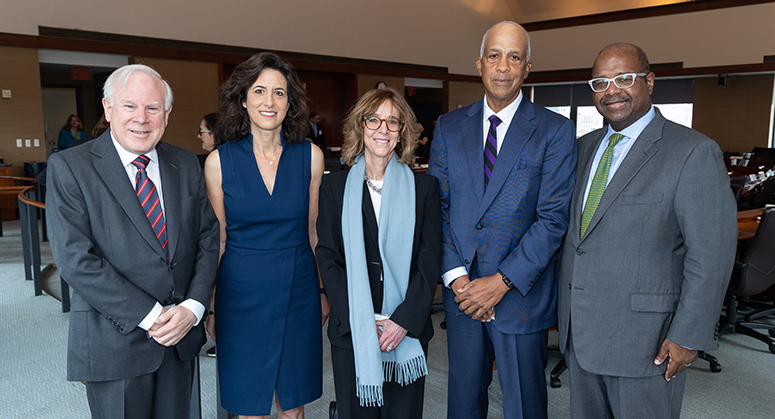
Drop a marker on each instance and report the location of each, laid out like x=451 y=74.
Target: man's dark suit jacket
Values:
x=316 y=135
x=414 y=313
x=107 y=251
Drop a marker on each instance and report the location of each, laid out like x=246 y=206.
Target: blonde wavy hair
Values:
x=367 y=105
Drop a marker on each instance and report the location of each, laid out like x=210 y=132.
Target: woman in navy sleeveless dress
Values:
x=266 y=313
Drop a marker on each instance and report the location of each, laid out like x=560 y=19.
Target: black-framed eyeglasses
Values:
x=373 y=123
x=622 y=81
x=204 y=131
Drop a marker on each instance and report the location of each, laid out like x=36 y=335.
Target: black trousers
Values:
x=400 y=402
x=165 y=393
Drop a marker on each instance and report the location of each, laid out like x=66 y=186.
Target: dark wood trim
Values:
x=646 y=12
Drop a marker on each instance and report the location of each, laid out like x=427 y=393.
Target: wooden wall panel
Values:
x=464 y=93
x=736 y=115
x=331 y=95
x=22 y=115
x=195 y=91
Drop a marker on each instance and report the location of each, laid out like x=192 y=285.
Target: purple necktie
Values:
x=149 y=200
x=490 y=149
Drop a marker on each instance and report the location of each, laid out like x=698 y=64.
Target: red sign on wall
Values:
x=81 y=73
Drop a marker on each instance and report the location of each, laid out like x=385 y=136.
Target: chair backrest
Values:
x=737 y=190
x=766 y=195
x=758 y=272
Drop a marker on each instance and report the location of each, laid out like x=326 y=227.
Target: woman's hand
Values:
x=390 y=335
x=325 y=308
x=210 y=326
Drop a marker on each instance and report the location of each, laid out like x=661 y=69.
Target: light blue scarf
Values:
x=406 y=363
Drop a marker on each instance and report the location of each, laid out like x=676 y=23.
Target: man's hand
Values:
x=390 y=335
x=173 y=324
x=478 y=297
x=325 y=308
x=680 y=358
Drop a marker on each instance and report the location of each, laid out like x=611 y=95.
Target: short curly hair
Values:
x=367 y=105
x=234 y=124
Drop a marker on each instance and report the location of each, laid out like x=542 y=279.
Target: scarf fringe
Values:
x=369 y=395
x=403 y=374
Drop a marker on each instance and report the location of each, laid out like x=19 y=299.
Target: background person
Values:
x=207 y=131
x=71 y=132
x=379 y=233
x=263 y=184
x=644 y=270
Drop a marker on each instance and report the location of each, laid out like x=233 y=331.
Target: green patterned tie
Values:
x=598 y=183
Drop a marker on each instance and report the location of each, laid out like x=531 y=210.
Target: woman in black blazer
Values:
x=379 y=244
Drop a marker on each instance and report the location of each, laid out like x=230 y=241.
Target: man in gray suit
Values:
x=649 y=250
x=133 y=233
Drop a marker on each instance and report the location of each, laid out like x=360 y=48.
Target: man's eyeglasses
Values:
x=622 y=81
x=373 y=123
x=204 y=131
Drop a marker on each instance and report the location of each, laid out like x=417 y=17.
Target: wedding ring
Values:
x=390 y=348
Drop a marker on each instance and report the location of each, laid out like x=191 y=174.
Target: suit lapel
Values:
x=641 y=152
x=170 y=180
x=520 y=130
x=369 y=218
x=111 y=171
x=473 y=147
x=586 y=154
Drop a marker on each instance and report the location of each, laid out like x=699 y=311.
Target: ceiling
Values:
x=526 y=11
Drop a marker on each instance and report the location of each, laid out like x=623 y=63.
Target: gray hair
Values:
x=484 y=38
x=120 y=78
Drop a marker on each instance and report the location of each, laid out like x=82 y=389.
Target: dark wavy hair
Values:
x=234 y=123
x=211 y=122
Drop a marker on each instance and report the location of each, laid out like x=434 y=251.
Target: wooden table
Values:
x=747 y=223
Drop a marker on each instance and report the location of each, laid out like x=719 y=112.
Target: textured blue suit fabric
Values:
x=516 y=226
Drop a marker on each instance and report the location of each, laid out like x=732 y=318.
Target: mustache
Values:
x=614 y=98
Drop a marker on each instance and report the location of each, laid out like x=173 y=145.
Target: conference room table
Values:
x=747 y=223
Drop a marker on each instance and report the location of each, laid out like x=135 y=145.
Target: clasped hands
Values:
x=172 y=325
x=478 y=297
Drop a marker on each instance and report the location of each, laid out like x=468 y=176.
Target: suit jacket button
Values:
x=569 y=286
x=468 y=261
x=479 y=226
x=579 y=252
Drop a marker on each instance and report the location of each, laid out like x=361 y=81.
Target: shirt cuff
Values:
x=147 y=322
x=453 y=274
x=196 y=307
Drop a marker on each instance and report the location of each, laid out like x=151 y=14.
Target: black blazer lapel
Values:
x=641 y=152
x=371 y=232
x=170 y=179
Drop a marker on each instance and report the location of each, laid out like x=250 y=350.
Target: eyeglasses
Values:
x=373 y=123
x=622 y=81
x=204 y=131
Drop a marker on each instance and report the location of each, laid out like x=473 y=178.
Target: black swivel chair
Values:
x=763 y=197
x=754 y=274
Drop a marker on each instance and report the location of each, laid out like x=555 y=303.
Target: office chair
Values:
x=754 y=274
x=761 y=199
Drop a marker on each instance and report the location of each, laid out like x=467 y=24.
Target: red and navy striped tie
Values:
x=490 y=149
x=149 y=199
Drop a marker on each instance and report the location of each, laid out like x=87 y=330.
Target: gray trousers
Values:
x=594 y=396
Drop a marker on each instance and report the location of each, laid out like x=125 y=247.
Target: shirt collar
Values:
x=637 y=127
x=128 y=157
x=507 y=113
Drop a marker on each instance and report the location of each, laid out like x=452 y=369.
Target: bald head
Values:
x=623 y=48
x=509 y=25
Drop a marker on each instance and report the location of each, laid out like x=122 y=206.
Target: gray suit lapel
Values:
x=641 y=152
x=111 y=171
x=473 y=145
x=170 y=179
x=520 y=130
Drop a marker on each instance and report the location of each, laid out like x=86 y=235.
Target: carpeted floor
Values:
x=33 y=340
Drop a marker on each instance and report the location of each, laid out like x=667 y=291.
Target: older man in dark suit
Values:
x=134 y=235
x=506 y=170
x=649 y=251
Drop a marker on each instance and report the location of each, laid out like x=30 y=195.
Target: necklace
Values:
x=372 y=186
x=271 y=161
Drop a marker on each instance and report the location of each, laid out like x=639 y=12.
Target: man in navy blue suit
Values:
x=506 y=170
